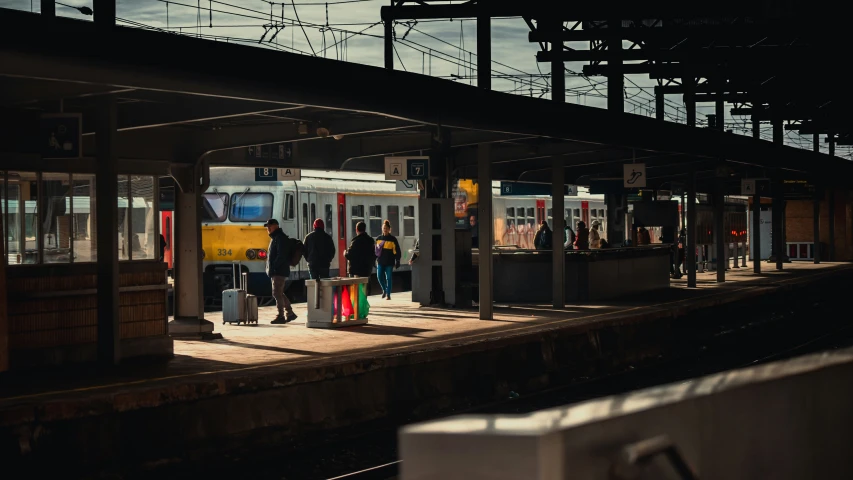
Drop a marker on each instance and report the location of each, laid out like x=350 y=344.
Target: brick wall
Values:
x=800 y=228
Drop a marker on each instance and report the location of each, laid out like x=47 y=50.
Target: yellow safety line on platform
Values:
x=380 y=350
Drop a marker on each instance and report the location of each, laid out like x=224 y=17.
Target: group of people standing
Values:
x=584 y=239
x=318 y=249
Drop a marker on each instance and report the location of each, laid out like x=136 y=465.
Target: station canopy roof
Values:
x=183 y=100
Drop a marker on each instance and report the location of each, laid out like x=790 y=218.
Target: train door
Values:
x=540 y=212
x=342 y=232
x=585 y=213
x=307 y=215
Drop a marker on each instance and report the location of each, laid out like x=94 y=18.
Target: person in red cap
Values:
x=319 y=250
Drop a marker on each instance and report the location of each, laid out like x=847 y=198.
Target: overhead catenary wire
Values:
x=636 y=97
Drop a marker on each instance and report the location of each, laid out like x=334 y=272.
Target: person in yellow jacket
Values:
x=388 y=254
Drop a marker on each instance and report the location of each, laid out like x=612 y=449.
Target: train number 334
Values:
x=223 y=252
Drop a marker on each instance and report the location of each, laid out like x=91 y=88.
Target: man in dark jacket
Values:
x=319 y=250
x=278 y=269
x=361 y=253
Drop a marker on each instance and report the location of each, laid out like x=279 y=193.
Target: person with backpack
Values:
x=360 y=253
x=318 y=250
x=542 y=241
x=570 y=238
x=279 y=255
x=388 y=253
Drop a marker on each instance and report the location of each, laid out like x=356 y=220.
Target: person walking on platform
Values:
x=582 y=241
x=387 y=251
x=570 y=238
x=319 y=250
x=278 y=269
x=360 y=253
x=543 y=238
x=594 y=236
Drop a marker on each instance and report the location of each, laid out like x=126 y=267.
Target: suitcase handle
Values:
x=246 y=282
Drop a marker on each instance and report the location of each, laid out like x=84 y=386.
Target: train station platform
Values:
x=272 y=382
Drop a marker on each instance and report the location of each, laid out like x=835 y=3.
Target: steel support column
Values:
x=816 y=222
x=558 y=71
x=756 y=232
x=104 y=13
x=660 y=104
x=615 y=78
x=106 y=212
x=189 y=294
x=719 y=229
x=720 y=109
x=690 y=253
x=48 y=8
x=778 y=215
x=831 y=212
x=558 y=237
x=689 y=100
x=486 y=226
x=389 y=42
x=484 y=48
x=831 y=145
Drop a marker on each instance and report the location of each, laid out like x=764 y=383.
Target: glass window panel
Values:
x=409 y=221
x=328 y=219
x=123 y=217
x=3 y=218
x=305 y=225
x=55 y=217
x=143 y=244
x=84 y=227
x=214 y=207
x=313 y=212
x=21 y=238
x=357 y=216
x=289 y=207
x=375 y=225
x=251 y=207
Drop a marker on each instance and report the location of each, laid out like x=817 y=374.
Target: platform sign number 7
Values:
x=418 y=169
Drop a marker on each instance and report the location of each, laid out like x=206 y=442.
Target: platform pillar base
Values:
x=192 y=327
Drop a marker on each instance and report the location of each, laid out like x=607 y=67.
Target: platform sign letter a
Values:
x=395 y=168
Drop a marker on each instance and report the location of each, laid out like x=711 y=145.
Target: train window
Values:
x=306 y=229
x=251 y=207
x=593 y=213
x=600 y=213
x=530 y=213
x=394 y=218
x=289 y=208
x=409 y=221
x=214 y=207
x=510 y=212
x=375 y=220
x=313 y=211
x=578 y=212
x=357 y=216
x=328 y=219
x=551 y=217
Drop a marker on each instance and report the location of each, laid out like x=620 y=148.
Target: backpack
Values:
x=295 y=246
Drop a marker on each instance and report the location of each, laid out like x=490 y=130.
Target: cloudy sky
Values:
x=350 y=30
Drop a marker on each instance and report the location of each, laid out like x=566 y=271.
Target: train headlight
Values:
x=262 y=254
x=250 y=254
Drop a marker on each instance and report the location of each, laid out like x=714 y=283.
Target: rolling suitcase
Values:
x=234 y=302
x=251 y=302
